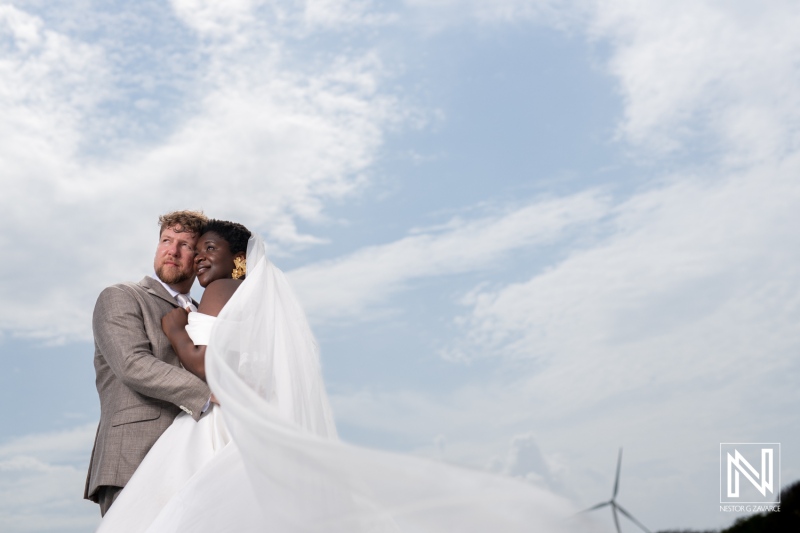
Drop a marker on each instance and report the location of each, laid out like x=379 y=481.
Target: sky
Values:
x=526 y=232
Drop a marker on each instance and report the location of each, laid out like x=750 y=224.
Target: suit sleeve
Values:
x=119 y=331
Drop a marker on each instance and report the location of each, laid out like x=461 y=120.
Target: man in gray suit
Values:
x=141 y=383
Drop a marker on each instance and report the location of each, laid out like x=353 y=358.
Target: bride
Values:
x=266 y=457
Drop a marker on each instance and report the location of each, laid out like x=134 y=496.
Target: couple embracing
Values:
x=214 y=415
x=160 y=424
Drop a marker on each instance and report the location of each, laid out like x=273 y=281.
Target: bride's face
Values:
x=214 y=259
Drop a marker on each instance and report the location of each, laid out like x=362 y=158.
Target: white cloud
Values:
x=676 y=328
x=683 y=313
x=49 y=83
x=343 y=14
x=345 y=287
x=691 y=73
x=216 y=19
x=259 y=140
x=525 y=460
x=41 y=482
x=689 y=277
x=69 y=445
x=439 y=14
x=686 y=309
x=683 y=309
x=690 y=68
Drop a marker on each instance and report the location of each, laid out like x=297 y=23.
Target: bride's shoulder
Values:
x=216 y=295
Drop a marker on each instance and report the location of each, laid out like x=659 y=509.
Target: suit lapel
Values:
x=157 y=289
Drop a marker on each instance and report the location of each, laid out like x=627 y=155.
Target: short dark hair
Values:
x=191 y=221
x=234 y=233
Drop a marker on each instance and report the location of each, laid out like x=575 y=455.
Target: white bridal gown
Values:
x=269 y=460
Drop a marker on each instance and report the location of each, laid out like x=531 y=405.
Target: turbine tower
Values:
x=614 y=505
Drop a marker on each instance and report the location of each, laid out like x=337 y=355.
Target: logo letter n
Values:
x=738 y=464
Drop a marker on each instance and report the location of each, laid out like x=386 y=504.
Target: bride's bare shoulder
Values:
x=217 y=295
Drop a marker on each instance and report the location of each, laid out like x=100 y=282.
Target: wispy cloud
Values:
x=259 y=139
x=684 y=307
x=664 y=309
x=345 y=287
x=690 y=276
x=701 y=263
x=341 y=15
x=441 y=14
x=693 y=72
x=42 y=478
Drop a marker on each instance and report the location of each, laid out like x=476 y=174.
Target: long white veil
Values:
x=263 y=365
x=262 y=339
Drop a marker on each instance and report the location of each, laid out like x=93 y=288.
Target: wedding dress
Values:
x=269 y=459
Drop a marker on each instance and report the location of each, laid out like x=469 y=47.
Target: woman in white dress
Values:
x=269 y=459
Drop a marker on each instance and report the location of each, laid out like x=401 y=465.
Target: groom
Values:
x=141 y=383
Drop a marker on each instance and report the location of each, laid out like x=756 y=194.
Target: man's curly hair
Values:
x=234 y=233
x=191 y=221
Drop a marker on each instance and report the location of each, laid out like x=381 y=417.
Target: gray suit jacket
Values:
x=141 y=384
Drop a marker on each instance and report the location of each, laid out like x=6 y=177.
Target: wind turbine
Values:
x=614 y=505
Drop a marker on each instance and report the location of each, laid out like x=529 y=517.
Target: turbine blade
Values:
x=616 y=518
x=631 y=518
x=598 y=506
x=616 y=480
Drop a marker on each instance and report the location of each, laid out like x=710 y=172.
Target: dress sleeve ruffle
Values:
x=199 y=328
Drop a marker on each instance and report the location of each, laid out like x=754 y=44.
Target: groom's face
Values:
x=174 y=262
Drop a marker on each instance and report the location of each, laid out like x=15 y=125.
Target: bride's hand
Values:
x=174 y=321
x=192 y=357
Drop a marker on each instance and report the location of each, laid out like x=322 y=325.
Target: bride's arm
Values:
x=192 y=357
x=174 y=323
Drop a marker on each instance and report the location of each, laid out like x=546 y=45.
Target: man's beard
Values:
x=172 y=276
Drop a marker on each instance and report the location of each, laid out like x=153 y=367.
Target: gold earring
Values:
x=241 y=267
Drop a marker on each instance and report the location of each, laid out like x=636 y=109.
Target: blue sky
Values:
x=526 y=232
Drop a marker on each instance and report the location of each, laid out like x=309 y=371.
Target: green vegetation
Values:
x=787 y=520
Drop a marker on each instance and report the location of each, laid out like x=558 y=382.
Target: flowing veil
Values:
x=263 y=357
x=262 y=363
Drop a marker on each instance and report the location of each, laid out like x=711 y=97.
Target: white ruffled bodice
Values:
x=199 y=328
